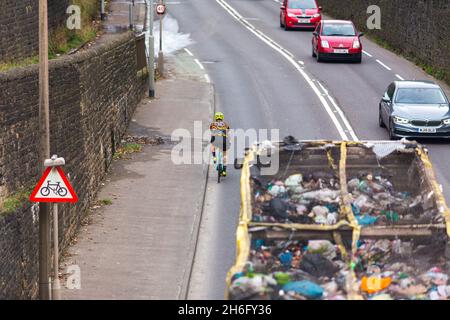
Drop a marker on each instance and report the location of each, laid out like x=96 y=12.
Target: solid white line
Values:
x=199 y=64
x=287 y=55
x=367 y=54
x=207 y=78
x=400 y=77
x=384 y=65
x=339 y=110
x=190 y=53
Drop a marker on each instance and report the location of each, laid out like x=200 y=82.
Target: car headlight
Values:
x=325 y=44
x=291 y=15
x=399 y=120
x=317 y=15
x=356 y=44
x=446 y=121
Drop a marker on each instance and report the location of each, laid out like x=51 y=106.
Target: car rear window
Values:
x=302 y=4
x=338 y=29
x=420 y=96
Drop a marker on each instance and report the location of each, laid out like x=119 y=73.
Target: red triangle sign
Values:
x=53 y=187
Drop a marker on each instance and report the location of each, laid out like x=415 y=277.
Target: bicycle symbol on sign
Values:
x=55 y=187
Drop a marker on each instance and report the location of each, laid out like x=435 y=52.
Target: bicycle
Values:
x=219 y=164
x=55 y=187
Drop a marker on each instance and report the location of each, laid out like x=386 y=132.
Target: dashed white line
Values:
x=297 y=66
x=187 y=50
x=301 y=62
x=367 y=54
x=399 y=77
x=207 y=78
x=199 y=64
x=385 y=66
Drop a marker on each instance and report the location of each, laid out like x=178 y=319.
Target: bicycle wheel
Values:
x=45 y=191
x=62 y=192
x=219 y=172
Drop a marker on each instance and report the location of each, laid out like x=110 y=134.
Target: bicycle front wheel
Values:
x=219 y=172
x=62 y=192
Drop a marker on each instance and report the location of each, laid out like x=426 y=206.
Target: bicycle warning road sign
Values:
x=53 y=187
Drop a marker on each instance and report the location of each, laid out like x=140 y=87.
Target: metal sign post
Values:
x=56 y=285
x=54 y=187
x=161 y=11
x=151 y=50
x=102 y=10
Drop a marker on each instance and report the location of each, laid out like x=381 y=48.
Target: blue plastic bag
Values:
x=305 y=288
x=286 y=258
x=366 y=220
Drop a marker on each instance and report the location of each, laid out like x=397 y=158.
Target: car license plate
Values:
x=340 y=50
x=303 y=21
x=427 y=130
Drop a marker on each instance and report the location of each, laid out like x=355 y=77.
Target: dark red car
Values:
x=300 y=14
x=337 y=40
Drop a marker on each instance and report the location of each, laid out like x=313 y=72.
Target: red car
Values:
x=300 y=14
x=337 y=40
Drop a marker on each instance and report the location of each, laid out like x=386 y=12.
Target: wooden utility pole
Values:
x=44 y=152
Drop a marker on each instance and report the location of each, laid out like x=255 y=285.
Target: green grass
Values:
x=13 y=202
x=63 y=40
x=5 y=66
x=105 y=202
x=127 y=149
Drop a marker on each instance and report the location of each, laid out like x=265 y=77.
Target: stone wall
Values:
x=93 y=95
x=19 y=28
x=419 y=29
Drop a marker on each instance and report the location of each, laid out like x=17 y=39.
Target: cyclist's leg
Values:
x=213 y=149
x=224 y=149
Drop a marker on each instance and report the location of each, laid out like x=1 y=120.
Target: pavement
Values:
x=141 y=245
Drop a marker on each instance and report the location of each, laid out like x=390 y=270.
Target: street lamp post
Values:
x=151 y=50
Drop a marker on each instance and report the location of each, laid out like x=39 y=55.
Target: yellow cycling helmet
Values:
x=218 y=116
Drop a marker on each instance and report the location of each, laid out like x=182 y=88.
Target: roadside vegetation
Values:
x=13 y=202
x=125 y=150
x=105 y=202
x=62 y=40
x=432 y=71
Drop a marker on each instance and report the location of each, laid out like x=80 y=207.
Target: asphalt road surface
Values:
x=266 y=78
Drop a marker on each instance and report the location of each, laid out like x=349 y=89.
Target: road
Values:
x=266 y=77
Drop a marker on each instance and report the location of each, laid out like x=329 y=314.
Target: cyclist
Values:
x=219 y=128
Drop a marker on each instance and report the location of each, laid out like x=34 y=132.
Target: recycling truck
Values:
x=340 y=220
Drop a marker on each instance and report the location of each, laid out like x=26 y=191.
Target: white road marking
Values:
x=297 y=66
x=367 y=54
x=187 y=50
x=207 y=78
x=199 y=64
x=383 y=65
x=301 y=62
x=341 y=113
x=399 y=77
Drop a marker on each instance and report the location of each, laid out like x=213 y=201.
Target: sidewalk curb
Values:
x=192 y=249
